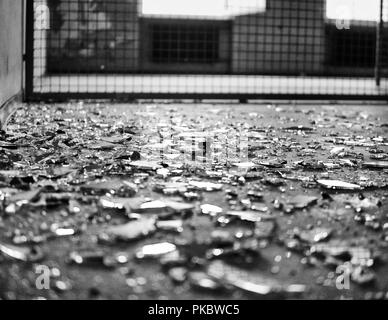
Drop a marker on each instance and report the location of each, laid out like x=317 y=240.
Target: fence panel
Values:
x=240 y=49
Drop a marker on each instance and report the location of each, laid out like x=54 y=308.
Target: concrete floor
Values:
x=58 y=150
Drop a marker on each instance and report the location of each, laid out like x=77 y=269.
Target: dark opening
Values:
x=355 y=47
x=179 y=43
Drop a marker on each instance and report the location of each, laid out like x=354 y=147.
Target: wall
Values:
x=11 y=34
x=93 y=36
x=103 y=36
x=288 y=38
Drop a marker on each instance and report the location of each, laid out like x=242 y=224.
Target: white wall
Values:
x=11 y=56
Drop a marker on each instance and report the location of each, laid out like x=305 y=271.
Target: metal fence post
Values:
x=29 y=50
x=379 y=38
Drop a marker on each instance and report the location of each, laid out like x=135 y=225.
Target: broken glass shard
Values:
x=171 y=188
x=114 y=186
x=232 y=276
x=249 y=282
x=133 y=230
x=259 y=207
x=315 y=235
x=358 y=256
x=245 y=251
x=255 y=195
x=89 y=258
x=160 y=205
x=363 y=205
x=206 y=186
x=173 y=259
x=120 y=139
x=178 y=274
x=103 y=146
x=170 y=225
x=338 y=185
x=245 y=165
x=250 y=216
x=201 y=281
x=211 y=209
x=274 y=163
x=25 y=254
x=25 y=197
x=62 y=232
x=376 y=165
x=116 y=259
x=299 y=202
x=163 y=173
x=155 y=250
x=129 y=204
x=299 y=128
x=146 y=165
x=337 y=150
x=362 y=275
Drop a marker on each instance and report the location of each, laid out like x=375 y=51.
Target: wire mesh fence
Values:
x=207 y=49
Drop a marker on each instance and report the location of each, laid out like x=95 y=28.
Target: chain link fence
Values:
x=245 y=49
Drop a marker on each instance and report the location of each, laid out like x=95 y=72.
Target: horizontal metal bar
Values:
x=59 y=97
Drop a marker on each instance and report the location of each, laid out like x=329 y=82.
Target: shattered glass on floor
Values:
x=107 y=201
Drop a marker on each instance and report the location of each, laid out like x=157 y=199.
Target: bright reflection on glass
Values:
x=363 y=10
x=204 y=8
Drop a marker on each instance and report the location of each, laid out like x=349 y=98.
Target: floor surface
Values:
x=105 y=201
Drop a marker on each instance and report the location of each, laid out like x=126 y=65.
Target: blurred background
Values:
x=196 y=49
